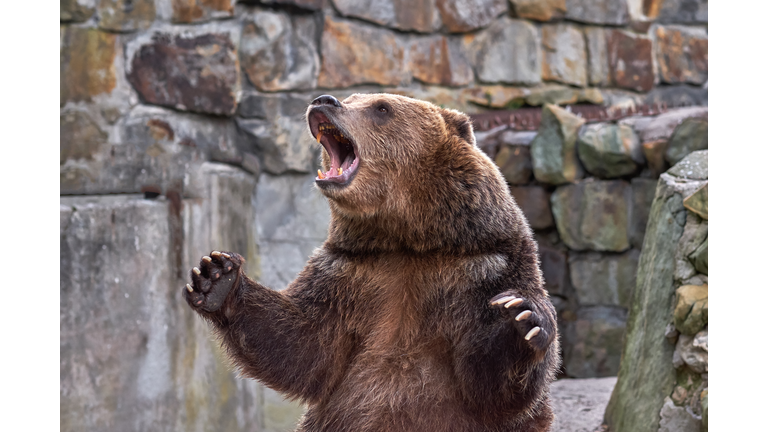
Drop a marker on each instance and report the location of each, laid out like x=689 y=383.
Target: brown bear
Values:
x=423 y=310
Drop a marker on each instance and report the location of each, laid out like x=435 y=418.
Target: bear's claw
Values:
x=525 y=318
x=213 y=280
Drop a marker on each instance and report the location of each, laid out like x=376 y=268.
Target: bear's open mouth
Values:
x=340 y=148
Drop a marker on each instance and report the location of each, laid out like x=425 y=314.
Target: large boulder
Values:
x=609 y=150
x=647 y=374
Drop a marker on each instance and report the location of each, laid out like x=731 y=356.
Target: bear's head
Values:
x=376 y=144
x=401 y=173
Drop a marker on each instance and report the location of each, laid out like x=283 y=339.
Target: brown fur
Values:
x=389 y=326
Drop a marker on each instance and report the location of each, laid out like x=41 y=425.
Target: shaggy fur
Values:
x=390 y=326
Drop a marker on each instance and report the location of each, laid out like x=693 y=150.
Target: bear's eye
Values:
x=382 y=109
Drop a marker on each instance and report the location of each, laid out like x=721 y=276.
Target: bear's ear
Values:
x=460 y=123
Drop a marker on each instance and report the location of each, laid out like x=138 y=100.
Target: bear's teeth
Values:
x=319 y=135
x=340 y=171
x=320 y=174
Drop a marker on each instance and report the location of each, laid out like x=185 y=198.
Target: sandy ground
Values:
x=579 y=404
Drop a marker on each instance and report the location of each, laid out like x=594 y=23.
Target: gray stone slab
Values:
x=508 y=52
x=292 y=219
x=647 y=374
x=579 y=404
x=604 y=279
x=597 y=337
x=133 y=357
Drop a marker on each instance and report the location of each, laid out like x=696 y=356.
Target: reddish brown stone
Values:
x=681 y=54
x=197 y=73
x=630 y=60
x=654 y=154
x=126 y=15
x=539 y=10
x=434 y=60
x=358 y=54
x=87 y=58
x=515 y=164
x=77 y=11
x=189 y=11
x=468 y=15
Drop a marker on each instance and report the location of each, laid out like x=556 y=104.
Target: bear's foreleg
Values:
x=267 y=335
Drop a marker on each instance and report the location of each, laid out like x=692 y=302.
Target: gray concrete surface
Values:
x=579 y=404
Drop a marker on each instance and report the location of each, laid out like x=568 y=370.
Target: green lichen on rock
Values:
x=688 y=137
x=609 y=150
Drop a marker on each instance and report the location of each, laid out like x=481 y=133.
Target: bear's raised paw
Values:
x=531 y=323
x=213 y=280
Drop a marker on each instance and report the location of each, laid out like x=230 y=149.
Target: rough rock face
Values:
x=125 y=15
x=278 y=52
x=553 y=151
x=419 y=15
x=87 y=58
x=348 y=48
x=439 y=60
x=630 y=60
x=593 y=215
x=508 y=52
x=191 y=11
x=539 y=10
x=681 y=54
x=612 y=12
x=564 y=57
x=651 y=364
x=609 y=151
x=191 y=73
x=468 y=15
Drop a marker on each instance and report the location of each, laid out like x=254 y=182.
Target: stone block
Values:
x=514 y=160
x=678 y=95
x=534 y=202
x=677 y=419
x=292 y=219
x=272 y=105
x=694 y=166
x=691 y=309
x=700 y=258
x=282 y=143
x=691 y=135
x=539 y=10
x=698 y=202
x=132 y=355
x=683 y=11
x=555 y=94
x=469 y=15
x=350 y=48
x=126 y=15
x=76 y=10
x=87 y=58
x=278 y=51
x=630 y=60
x=611 y=12
x=420 y=15
x=80 y=136
x=597 y=50
x=643 y=192
x=662 y=126
x=195 y=11
x=507 y=52
x=598 y=336
x=496 y=96
x=553 y=151
x=653 y=151
x=312 y=5
x=681 y=54
x=694 y=235
x=564 y=57
x=646 y=375
x=693 y=351
x=608 y=150
x=603 y=279
x=190 y=69
x=154 y=148
x=554 y=267
x=593 y=215
x=439 y=60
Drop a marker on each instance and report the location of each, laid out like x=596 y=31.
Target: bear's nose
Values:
x=326 y=100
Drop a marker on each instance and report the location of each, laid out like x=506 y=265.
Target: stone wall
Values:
x=663 y=381
x=182 y=131
x=587 y=189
